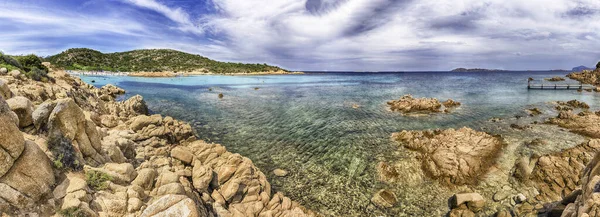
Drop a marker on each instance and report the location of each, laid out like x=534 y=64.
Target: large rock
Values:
x=455 y=156
x=135 y=106
x=201 y=176
x=3 y=71
x=23 y=108
x=173 y=205
x=41 y=114
x=5 y=90
x=29 y=178
x=474 y=201
x=68 y=119
x=11 y=139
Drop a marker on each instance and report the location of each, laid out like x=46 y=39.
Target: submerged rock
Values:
x=384 y=198
x=280 y=172
x=473 y=201
x=453 y=156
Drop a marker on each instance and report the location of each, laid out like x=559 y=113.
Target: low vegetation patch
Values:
x=64 y=153
x=72 y=212
x=30 y=65
x=97 y=180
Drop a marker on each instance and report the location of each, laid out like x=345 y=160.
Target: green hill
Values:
x=152 y=60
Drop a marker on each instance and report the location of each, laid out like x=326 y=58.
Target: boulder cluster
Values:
x=407 y=104
x=68 y=148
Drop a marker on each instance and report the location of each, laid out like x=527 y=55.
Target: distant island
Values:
x=154 y=63
x=581 y=68
x=477 y=70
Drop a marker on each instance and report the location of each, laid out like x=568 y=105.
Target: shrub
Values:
x=97 y=180
x=65 y=157
x=37 y=74
x=7 y=60
x=72 y=212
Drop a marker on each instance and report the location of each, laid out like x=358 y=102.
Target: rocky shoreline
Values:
x=495 y=175
x=70 y=149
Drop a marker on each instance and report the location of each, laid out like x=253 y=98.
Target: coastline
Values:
x=174 y=74
x=114 y=158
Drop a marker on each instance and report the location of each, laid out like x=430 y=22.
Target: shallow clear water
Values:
x=306 y=125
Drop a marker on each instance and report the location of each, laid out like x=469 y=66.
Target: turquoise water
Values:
x=306 y=124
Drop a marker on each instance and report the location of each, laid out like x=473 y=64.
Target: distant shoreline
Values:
x=172 y=74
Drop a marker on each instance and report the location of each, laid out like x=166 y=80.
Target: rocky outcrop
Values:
x=454 y=156
x=451 y=103
x=586 y=76
x=408 y=104
x=68 y=120
x=94 y=156
x=585 y=202
x=555 y=79
x=557 y=175
x=25 y=171
x=584 y=123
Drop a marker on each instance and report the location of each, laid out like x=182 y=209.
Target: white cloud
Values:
x=338 y=34
x=177 y=15
x=436 y=32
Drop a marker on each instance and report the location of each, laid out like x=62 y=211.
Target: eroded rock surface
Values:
x=453 y=156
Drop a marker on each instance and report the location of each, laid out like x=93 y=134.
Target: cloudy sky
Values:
x=359 y=35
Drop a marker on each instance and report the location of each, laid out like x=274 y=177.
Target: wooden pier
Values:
x=547 y=86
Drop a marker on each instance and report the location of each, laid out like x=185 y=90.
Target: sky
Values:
x=319 y=35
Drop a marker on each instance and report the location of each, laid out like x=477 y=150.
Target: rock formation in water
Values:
x=70 y=149
x=454 y=157
x=407 y=104
x=555 y=78
x=586 y=76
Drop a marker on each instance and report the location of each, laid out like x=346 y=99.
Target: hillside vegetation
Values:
x=154 y=60
x=30 y=65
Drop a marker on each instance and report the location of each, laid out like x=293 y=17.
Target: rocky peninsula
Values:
x=71 y=149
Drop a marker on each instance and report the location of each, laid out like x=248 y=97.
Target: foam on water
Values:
x=306 y=124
